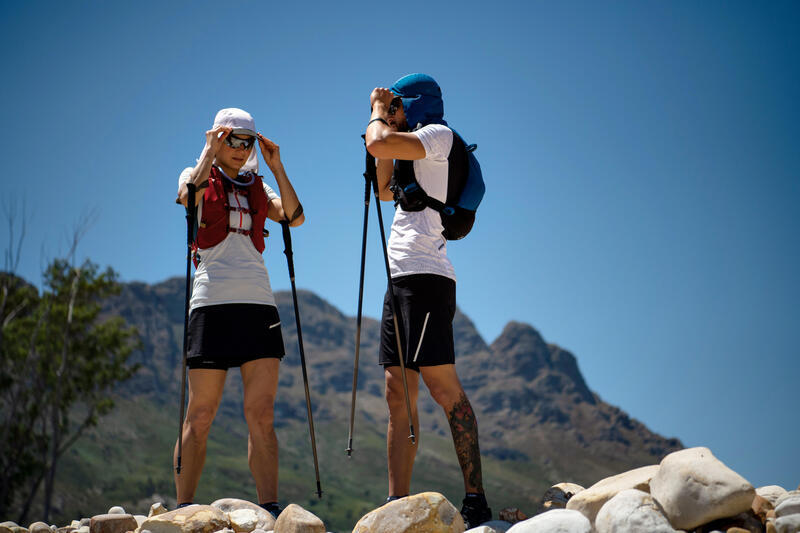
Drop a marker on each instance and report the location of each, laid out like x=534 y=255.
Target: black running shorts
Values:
x=426 y=305
x=229 y=335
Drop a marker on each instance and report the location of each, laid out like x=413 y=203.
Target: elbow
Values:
x=298 y=221
x=377 y=147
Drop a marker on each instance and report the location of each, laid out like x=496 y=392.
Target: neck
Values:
x=231 y=172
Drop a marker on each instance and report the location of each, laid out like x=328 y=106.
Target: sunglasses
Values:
x=395 y=104
x=237 y=142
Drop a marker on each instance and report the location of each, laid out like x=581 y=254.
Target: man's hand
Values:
x=381 y=95
x=214 y=140
x=270 y=151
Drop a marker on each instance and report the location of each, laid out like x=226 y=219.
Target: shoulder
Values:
x=269 y=191
x=437 y=140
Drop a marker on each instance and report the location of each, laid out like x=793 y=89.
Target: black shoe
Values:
x=272 y=508
x=393 y=498
x=475 y=511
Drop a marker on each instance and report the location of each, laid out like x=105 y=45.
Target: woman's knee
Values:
x=260 y=412
x=199 y=419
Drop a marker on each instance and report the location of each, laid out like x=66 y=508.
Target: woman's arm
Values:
x=200 y=172
x=287 y=207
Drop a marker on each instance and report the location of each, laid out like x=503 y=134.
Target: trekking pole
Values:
x=372 y=175
x=358 y=318
x=287 y=243
x=190 y=190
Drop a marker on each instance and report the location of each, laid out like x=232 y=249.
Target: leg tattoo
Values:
x=464 y=428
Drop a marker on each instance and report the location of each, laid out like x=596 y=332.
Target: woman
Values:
x=233 y=319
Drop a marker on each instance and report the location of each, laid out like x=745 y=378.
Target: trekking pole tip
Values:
x=319 y=491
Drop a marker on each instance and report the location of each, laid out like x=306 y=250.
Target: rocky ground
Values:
x=690 y=491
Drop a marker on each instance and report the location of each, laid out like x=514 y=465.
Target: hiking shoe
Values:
x=272 y=508
x=475 y=511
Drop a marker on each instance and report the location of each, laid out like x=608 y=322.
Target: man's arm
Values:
x=382 y=141
x=384 y=169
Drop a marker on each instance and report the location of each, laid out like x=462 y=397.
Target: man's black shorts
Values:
x=229 y=335
x=426 y=305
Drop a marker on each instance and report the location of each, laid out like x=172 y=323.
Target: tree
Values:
x=59 y=364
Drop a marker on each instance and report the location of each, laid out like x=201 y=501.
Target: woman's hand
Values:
x=270 y=151
x=214 y=140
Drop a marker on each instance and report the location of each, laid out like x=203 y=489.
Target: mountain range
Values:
x=539 y=421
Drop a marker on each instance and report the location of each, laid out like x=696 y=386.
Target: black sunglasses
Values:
x=236 y=142
x=395 y=104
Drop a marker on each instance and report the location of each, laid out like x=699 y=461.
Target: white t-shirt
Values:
x=232 y=271
x=416 y=244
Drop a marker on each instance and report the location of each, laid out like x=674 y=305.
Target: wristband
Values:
x=378 y=119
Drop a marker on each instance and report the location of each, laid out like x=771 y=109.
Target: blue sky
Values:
x=640 y=158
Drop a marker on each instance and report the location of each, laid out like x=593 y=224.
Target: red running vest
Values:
x=214 y=225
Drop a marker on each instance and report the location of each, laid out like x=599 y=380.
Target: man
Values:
x=424 y=284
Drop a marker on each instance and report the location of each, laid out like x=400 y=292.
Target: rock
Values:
x=265 y=520
x=112 y=523
x=761 y=507
x=86 y=522
x=39 y=527
x=788 y=506
x=557 y=496
x=771 y=527
x=495 y=526
x=481 y=529
x=428 y=511
x=191 y=519
x=12 y=527
x=75 y=524
x=83 y=529
x=788 y=524
x=512 y=515
x=589 y=501
x=771 y=493
x=156 y=509
x=631 y=511
x=784 y=497
x=555 y=521
x=500 y=526
x=737 y=530
x=295 y=519
x=748 y=521
x=693 y=488
x=243 y=520
x=116 y=510
x=140 y=518
x=66 y=529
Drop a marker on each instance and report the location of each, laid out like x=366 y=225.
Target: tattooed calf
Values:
x=464 y=428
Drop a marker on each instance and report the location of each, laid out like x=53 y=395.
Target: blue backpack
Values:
x=465 y=189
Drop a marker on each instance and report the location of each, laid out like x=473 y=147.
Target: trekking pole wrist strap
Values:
x=377 y=119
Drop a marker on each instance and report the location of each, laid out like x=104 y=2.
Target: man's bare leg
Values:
x=260 y=379
x=446 y=389
x=205 y=392
x=399 y=449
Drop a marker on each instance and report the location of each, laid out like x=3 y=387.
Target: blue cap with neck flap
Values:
x=422 y=100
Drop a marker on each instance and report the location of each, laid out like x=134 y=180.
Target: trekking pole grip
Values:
x=287 y=248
